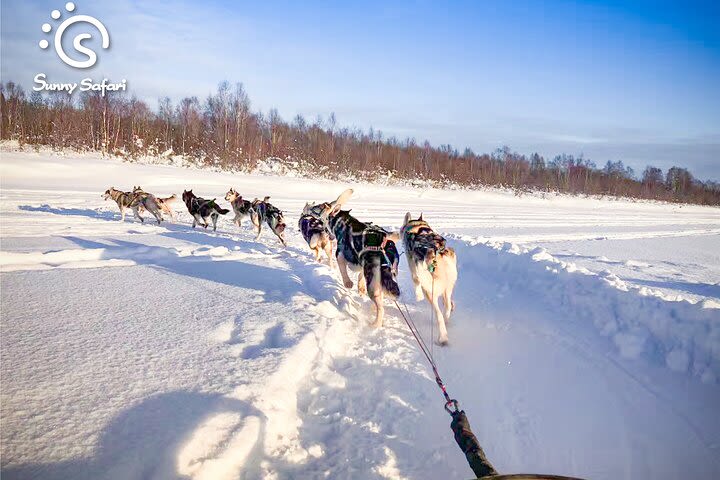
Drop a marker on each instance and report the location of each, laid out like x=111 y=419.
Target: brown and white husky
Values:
x=433 y=267
x=162 y=202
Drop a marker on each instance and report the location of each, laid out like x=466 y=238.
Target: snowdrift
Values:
x=683 y=335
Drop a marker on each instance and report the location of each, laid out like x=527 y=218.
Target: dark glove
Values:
x=468 y=443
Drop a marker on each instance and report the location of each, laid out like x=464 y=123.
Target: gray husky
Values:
x=242 y=208
x=134 y=201
x=264 y=212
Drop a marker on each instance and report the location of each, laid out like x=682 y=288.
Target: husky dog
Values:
x=135 y=201
x=316 y=234
x=433 y=268
x=365 y=248
x=201 y=209
x=263 y=212
x=163 y=203
x=242 y=208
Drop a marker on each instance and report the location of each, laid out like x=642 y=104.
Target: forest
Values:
x=223 y=131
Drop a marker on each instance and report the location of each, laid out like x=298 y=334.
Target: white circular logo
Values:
x=77 y=41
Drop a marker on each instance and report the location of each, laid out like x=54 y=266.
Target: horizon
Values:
x=595 y=78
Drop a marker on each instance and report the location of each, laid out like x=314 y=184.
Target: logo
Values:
x=77 y=41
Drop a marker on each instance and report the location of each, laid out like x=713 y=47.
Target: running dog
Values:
x=202 y=209
x=163 y=203
x=242 y=208
x=317 y=236
x=433 y=267
x=136 y=202
x=264 y=212
x=365 y=248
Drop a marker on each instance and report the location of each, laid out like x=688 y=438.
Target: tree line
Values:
x=223 y=131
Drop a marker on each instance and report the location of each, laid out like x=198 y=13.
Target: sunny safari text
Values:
x=86 y=84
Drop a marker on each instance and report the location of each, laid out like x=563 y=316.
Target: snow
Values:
x=586 y=339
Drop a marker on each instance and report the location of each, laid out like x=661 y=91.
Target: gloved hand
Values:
x=469 y=444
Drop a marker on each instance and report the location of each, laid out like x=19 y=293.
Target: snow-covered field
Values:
x=586 y=339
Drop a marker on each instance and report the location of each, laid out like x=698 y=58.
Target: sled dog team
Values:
x=361 y=247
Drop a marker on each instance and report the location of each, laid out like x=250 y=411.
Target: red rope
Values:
x=423 y=347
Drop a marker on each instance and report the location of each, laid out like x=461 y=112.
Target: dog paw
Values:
x=376 y=324
x=348 y=283
x=443 y=342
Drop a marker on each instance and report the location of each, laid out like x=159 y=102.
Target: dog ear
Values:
x=407 y=218
x=420 y=217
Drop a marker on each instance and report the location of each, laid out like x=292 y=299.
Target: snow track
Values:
x=153 y=352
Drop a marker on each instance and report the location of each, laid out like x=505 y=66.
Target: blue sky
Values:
x=631 y=81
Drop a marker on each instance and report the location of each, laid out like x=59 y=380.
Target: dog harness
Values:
x=365 y=239
x=424 y=241
x=310 y=225
x=375 y=240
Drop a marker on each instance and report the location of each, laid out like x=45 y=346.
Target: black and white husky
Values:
x=202 y=209
x=433 y=267
x=264 y=212
x=365 y=248
x=242 y=208
x=136 y=202
x=316 y=234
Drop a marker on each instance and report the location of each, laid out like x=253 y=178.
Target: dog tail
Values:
x=373 y=270
x=388 y=282
x=221 y=211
